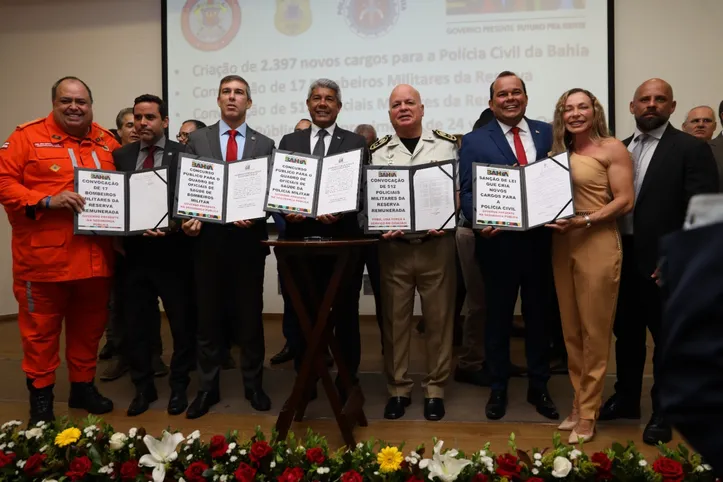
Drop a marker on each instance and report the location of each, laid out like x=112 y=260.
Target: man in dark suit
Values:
x=229 y=261
x=717 y=145
x=670 y=167
x=325 y=137
x=511 y=261
x=153 y=269
x=691 y=339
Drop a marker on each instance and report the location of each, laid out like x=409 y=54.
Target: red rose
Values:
x=218 y=446
x=6 y=459
x=535 y=479
x=353 y=476
x=671 y=470
x=34 y=464
x=245 y=473
x=129 y=470
x=479 y=478
x=604 y=466
x=259 y=450
x=412 y=478
x=291 y=475
x=508 y=466
x=79 y=467
x=194 y=472
x=315 y=456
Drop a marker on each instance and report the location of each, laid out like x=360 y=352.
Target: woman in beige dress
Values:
x=587 y=255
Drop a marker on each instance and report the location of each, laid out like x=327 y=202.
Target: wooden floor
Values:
x=467 y=436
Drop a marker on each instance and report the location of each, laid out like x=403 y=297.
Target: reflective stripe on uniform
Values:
x=29 y=296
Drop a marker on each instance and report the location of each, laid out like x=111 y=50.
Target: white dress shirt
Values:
x=527 y=142
x=640 y=167
x=223 y=134
x=315 y=136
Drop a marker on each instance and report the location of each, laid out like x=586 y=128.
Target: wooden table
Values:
x=319 y=335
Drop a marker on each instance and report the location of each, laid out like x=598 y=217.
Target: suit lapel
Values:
x=537 y=140
x=171 y=149
x=130 y=161
x=666 y=143
x=249 y=144
x=495 y=132
x=336 y=140
x=214 y=142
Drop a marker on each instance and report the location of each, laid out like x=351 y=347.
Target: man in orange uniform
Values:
x=57 y=275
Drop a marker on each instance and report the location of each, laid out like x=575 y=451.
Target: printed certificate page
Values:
x=499 y=198
x=548 y=191
x=200 y=189
x=148 y=200
x=388 y=204
x=339 y=183
x=293 y=183
x=105 y=203
x=246 y=195
x=434 y=197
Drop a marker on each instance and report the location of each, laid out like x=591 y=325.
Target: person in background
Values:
x=187 y=127
x=586 y=249
x=303 y=124
x=669 y=167
x=126 y=130
x=61 y=281
x=700 y=122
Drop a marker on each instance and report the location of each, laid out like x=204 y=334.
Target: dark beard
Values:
x=647 y=124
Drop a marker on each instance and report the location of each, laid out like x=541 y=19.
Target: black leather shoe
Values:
x=142 y=402
x=433 y=409
x=657 y=430
x=496 y=405
x=616 y=408
x=86 y=396
x=41 y=404
x=258 y=398
x=480 y=378
x=178 y=402
x=107 y=352
x=203 y=402
x=543 y=403
x=395 y=407
x=285 y=355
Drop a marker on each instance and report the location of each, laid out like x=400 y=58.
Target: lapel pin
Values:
x=536 y=131
x=253 y=138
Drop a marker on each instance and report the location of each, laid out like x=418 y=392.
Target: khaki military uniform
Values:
x=427 y=264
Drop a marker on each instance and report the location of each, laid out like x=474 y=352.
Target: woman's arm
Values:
x=620 y=176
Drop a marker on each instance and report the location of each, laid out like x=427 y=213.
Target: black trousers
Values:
x=146 y=281
x=229 y=275
x=639 y=307
x=116 y=329
x=344 y=314
x=371 y=259
x=510 y=262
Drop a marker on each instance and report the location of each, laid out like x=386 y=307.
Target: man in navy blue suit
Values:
x=511 y=261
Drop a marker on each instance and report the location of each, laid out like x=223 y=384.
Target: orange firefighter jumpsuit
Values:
x=56 y=274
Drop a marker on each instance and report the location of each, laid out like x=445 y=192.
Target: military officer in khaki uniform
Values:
x=426 y=263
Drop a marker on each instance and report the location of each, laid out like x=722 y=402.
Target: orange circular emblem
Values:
x=210 y=24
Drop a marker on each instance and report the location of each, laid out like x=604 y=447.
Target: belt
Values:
x=467 y=224
x=420 y=240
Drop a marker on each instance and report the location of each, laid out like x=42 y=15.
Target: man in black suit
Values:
x=325 y=137
x=153 y=269
x=229 y=261
x=670 y=167
x=690 y=365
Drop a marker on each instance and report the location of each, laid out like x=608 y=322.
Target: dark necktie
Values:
x=319 y=148
x=150 y=161
x=519 y=148
x=231 y=147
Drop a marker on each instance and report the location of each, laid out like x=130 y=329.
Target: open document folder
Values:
x=522 y=198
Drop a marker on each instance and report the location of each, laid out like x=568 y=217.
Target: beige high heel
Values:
x=583 y=432
x=570 y=422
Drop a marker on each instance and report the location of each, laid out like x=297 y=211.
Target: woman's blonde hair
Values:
x=561 y=138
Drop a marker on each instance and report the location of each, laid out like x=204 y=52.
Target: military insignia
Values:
x=444 y=135
x=293 y=17
x=56 y=137
x=210 y=24
x=380 y=142
x=55 y=168
x=97 y=139
x=105 y=148
x=371 y=18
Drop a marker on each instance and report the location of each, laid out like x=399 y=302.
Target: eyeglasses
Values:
x=182 y=136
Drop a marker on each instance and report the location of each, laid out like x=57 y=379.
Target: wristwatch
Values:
x=587 y=221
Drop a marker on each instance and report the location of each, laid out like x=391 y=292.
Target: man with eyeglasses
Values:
x=186 y=128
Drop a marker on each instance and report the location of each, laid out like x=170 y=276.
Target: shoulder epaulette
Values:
x=444 y=135
x=380 y=142
x=35 y=121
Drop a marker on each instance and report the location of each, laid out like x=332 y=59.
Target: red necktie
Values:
x=519 y=148
x=231 y=147
x=148 y=163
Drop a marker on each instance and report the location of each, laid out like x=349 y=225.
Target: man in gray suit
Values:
x=229 y=261
x=717 y=145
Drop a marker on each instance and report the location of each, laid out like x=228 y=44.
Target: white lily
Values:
x=444 y=466
x=161 y=452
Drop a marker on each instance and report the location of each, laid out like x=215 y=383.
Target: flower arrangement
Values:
x=92 y=450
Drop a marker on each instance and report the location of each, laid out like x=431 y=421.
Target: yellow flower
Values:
x=67 y=437
x=389 y=459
